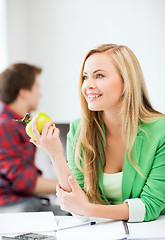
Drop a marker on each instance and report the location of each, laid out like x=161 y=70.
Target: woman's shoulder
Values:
x=74 y=126
x=75 y=123
x=155 y=128
x=159 y=123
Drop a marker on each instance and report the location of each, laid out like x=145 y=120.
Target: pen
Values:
x=126 y=228
x=78 y=225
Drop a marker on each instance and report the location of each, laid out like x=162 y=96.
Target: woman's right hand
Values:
x=49 y=141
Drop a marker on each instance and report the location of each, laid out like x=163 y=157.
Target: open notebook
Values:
x=109 y=229
x=103 y=229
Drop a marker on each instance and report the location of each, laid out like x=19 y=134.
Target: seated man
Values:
x=21 y=183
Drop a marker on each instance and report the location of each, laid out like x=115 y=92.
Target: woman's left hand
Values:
x=75 y=201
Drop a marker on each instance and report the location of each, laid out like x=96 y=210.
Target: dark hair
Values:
x=16 y=77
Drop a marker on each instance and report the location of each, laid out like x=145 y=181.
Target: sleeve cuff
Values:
x=136 y=210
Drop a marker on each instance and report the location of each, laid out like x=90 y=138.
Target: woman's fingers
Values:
x=35 y=130
x=51 y=130
x=46 y=127
x=44 y=130
x=34 y=142
x=57 y=132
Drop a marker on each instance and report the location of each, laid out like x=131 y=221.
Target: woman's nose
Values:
x=90 y=83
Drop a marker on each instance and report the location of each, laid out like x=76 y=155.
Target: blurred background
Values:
x=56 y=35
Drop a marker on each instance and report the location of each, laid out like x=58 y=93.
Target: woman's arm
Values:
x=77 y=202
x=62 y=171
x=50 y=142
x=116 y=212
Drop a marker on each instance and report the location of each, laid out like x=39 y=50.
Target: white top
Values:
x=112 y=187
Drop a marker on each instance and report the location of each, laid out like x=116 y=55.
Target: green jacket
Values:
x=150 y=157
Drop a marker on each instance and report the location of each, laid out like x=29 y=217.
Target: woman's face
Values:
x=102 y=84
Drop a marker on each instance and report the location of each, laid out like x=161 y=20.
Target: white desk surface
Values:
x=106 y=231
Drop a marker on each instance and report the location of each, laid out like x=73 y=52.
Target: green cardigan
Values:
x=150 y=157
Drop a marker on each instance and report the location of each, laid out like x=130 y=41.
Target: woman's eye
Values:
x=99 y=76
x=84 y=77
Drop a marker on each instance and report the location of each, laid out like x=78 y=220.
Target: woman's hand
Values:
x=75 y=201
x=49 y=140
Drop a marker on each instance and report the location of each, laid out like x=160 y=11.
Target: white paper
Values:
x=150 y=230
x=71 y=222
x=103 y=229
x=27 y=222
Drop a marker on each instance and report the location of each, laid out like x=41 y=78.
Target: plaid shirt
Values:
x=18 y=174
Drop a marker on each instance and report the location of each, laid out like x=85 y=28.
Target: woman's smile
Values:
x=93 y=96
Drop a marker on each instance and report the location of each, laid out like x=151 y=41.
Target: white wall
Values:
x=3 y=36
x=56 y=34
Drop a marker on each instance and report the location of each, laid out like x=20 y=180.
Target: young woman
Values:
x=116 y=151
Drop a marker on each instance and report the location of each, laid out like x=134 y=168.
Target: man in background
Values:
x=21 y=183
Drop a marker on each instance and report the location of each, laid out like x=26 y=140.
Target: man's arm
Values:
x=44 y=186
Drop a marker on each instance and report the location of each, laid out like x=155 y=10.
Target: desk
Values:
x=104 y=231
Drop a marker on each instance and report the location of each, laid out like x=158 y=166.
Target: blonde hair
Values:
x=135 y=108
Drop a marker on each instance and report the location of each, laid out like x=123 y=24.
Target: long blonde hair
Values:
x=135 y=108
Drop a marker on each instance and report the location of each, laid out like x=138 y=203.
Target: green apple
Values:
x=42 y=118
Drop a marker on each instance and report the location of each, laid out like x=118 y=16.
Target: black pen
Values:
x=126 y=228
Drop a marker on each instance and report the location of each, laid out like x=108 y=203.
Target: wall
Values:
x=57 y=34
x=3 y=36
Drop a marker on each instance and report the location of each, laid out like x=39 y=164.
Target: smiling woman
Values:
x=102 y=82
x=119 y=139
